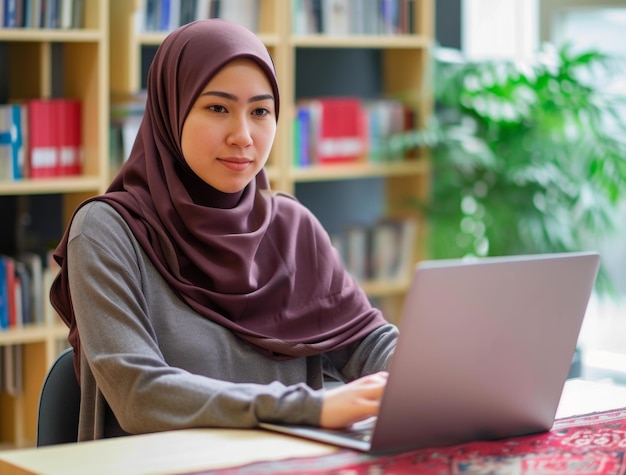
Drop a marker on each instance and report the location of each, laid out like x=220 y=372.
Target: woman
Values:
x=195 y=296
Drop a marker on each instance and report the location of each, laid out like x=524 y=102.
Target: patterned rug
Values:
x=593 y=444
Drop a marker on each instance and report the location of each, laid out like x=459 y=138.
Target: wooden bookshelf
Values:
x=104 y=59
x=33 y=71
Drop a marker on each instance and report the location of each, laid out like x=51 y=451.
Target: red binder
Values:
x=43 y=133
x=70 y=141
x=342 y=132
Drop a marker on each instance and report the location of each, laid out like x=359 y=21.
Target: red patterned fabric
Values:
x=593 y=444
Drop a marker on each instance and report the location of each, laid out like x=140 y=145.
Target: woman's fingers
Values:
x=353 y=401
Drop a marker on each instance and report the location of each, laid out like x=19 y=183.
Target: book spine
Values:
x=18 y=140
x=203 y=9
x=9 y=279
x=342 y=131
x=70 y=146
x=6 y=160
x=43 y=139
x=10 y=14
x=302 y=136
x=164 y=15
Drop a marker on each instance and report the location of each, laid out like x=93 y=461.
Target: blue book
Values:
x=18 y=147
x=164 y=15
x=10 y=13
x=304 y=140
x=12 y=147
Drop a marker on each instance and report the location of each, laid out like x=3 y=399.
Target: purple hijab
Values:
x=256 y=262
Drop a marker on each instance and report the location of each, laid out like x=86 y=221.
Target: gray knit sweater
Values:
x=160 y=366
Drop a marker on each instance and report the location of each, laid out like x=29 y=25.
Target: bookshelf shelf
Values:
x=361 y=41
x=156 y=38
x=50 y=35
x=79 y=184
x=32 y=334
x=46 y=34
x=385 y=288
x=358 y=170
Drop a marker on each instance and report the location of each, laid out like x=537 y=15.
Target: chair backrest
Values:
x=59 y=403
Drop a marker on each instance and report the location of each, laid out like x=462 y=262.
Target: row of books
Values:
x=24 y=280
x=57 y=14
x=11 y=370
x=166 y=15
x=343 y=129
x=381 y=252
x=353 y=17
x=40 y=138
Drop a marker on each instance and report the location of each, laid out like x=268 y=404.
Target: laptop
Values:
x=484 y=351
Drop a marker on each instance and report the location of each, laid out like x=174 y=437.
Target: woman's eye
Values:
x=261 y=112
x=217 y=108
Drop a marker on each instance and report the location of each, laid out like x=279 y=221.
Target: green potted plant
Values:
x=525 y=158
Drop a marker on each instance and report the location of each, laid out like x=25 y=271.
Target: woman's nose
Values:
x=240 y=133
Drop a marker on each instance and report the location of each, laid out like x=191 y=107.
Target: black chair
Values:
x=59 y=403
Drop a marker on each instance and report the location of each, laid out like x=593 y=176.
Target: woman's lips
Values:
x=236 y=164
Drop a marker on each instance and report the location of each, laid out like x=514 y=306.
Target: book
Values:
x=70 y=150
x=34 y=289
x=43 y=139
x=187 y=11
x=6 y=133
x=66 y=12
x=164 y=12
x=393 y=242
x=356 y=251
x=341 y=130
x=12 y=141
x=126 y=116
x=243 y=12
x=23 y=294
x=49 y=273
x=150 y=12
x=51 y=13
x=302 y=138
x=13 y=370
x=203 y=9
x=33 y=15
x=336 y=17
x=385 y=250
x=78 y=14
x=9 y=282
x=10 y=13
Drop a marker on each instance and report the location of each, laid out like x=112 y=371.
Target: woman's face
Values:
x=229 y=131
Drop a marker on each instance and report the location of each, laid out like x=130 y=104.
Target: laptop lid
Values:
x=485 y=348
x=484 y=351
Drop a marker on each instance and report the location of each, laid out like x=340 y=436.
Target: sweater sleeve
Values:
x=373 y=353
x=122 y=349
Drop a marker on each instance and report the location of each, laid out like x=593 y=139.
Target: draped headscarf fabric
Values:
x=255 y=262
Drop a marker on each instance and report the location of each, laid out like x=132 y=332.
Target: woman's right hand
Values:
x=353 y=401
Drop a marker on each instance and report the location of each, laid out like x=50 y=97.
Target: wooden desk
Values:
x=192 y=450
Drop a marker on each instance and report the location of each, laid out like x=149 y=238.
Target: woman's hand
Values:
x=353 y=402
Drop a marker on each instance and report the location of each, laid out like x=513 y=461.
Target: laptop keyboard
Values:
x=361 y=431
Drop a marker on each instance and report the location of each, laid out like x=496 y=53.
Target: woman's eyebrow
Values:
x=232 y=97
